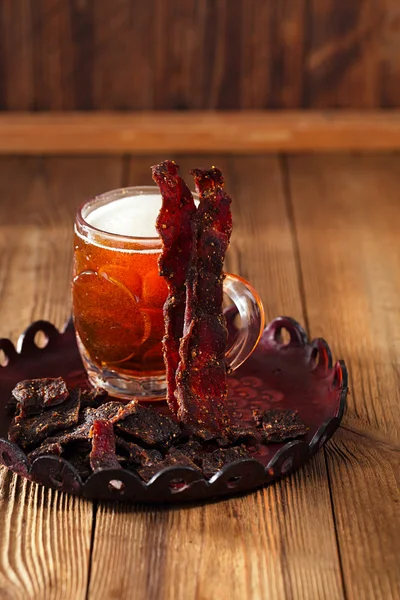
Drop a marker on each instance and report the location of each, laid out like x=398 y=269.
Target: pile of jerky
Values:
x=94 y=433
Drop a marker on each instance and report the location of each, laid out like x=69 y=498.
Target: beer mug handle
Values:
x=251 y=312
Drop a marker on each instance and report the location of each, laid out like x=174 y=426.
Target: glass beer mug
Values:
x=118 y=295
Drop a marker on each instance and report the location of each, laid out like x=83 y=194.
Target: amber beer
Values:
x=118 y=295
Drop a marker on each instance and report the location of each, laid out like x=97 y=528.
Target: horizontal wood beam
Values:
x=198 y=131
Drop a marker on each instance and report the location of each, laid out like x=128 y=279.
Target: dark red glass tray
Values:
x=298 y=374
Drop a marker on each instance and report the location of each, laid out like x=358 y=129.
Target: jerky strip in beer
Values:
x=31 y=431
x=103 y=454
x=34 y=395
x=201 y=376
x=174 y=227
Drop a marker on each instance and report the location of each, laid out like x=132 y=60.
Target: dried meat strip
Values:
x=103 y=454
x=149 y=427
x=34 y=395
x=239 y=434
x=174 y=224
x=191 y=449
x=32 y=431
x=279 y=425
x=111 y=411
x=77 y=453
x=45 y=449
x=201 y=375
x=134 y=454
x=214 y=461
x=174 y=458
x=93 y=397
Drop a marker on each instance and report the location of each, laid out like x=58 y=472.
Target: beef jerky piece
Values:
x=199 y=433
x=81 y=464
x=201 y=376
x=279 y=425
x=45 y=450
x=111 y=411
x=115 y=411
x=77 y=453
x=149 y=427
x=11 y=406
x=103 y=454
x=129 y=451
x=174 y=227
x=214 y=461
x=34 y=395
x=205 y=436
x=32 y=431
x=82 y=447
x=258 y=417
x=240 y=434
x=80 y=433
x=93 y=397
x=174 y=458
x=136 y=455
x=192 y=450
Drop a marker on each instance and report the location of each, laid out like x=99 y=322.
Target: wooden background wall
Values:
x=199 y=54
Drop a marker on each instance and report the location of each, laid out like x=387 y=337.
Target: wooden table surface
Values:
x=318 y=236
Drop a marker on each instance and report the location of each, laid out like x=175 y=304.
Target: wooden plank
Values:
x=45 y=536
x=263 y=545
x=16 y=49
x=342 y=61
x=365 y=480
x=45 y=541
x=120 y=54
x=347 y=212
x=198 y=54
x=38 y=204
x=200 y=132
x=183 y=40
x=53 y=55
x=388 y=53
x=272 y=54
x=288 y=35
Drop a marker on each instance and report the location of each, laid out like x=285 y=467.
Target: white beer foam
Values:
x=131 y=216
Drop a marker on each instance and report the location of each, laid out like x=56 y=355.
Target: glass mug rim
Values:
x=150 y=242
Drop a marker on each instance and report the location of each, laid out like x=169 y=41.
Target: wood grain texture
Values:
x=342 y=68
x=245 y=548
x=121 y=49
x=365 y=481
x=198 y=54
x=389 y=50
x=16 y=55
x=39 y=199
x=347 y=215
x=45 y=542
x=197 y=131
x=241 y=549
x=44 y=536
x=317 y=235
